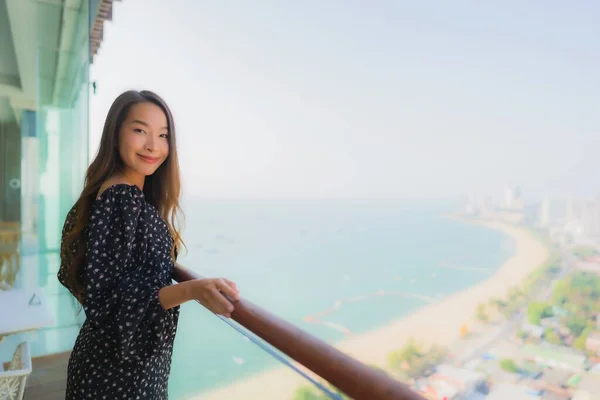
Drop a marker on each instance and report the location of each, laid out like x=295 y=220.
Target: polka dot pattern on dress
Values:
x=125 y=345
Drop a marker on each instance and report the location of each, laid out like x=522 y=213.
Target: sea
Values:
x=369 y=262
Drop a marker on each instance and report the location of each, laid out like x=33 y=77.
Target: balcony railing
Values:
x=352 y=377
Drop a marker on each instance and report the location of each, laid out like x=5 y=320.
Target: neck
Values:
x=132 y=178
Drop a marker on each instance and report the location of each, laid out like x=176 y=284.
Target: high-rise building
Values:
x=590 y=218
x=574 y=209
x=512 y=197
x=554 y=211
x=545 y=212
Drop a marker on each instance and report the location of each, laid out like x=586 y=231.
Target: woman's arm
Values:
x=208 y=291
x=174 y=295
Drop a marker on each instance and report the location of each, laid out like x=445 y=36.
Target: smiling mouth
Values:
x=150 y=160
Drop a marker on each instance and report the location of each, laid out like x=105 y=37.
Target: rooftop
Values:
x=555 y=377
x=590 y=383
x=558 y=356
x=504 y=391
x=456 y=374
x=594 y=335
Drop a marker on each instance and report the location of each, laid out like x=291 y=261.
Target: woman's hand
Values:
x=209 y=292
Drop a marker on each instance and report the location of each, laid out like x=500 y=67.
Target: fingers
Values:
x=232 y=284
x=214 y=301
x=209 y=301
x=222 y=305
x=228 y=287
x=214 y=294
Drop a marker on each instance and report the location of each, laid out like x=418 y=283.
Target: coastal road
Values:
x=510 y=326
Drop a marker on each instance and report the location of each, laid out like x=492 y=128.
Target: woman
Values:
x=119 y=246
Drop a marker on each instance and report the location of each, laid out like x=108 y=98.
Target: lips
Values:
x=148 y=159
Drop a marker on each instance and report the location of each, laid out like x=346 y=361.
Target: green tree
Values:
x=509 y=365
x=411 y=350
x=510 y=309
x=584 y=251
x=313 y=393
x=497 y=303
x=514 y=294
x=552 y=265
x=306 y=393
x=561 y=292
x=537 y=310
x=412 y=361
x=551 y=337
x=406 y=355
x=580 y=342
x=576 y=323
x=521 y=334
x=436 y=353
x=481 y=313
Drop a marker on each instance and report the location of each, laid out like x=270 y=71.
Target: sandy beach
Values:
x=436 y=323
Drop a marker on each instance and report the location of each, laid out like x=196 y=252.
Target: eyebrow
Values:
x=137 y=121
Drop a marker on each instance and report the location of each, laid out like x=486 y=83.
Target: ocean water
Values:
x=298 y=258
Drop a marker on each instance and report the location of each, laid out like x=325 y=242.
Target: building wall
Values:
x=10 y=171
x=51 y=152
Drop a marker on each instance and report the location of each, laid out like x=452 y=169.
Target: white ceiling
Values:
x=43 y=51
x=8 y=61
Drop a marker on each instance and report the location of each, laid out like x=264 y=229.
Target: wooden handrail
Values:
x=355 y=379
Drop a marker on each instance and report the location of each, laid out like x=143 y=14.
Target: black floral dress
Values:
x=124 y=348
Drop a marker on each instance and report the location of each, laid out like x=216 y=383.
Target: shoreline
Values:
x=428 y=324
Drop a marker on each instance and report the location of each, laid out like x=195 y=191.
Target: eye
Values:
x=138 y=130
x=165 y=135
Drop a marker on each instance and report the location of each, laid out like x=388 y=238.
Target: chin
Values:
x=149 y=173
x=146 y=171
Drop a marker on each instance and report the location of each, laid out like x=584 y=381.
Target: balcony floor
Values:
x=48 y=380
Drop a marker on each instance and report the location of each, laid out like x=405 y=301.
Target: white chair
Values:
x=12 y=381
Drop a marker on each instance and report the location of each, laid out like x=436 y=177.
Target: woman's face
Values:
x=143 y=139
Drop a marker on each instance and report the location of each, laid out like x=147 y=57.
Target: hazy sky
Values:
x=419 y=99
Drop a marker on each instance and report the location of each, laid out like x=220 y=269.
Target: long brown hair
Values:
x=161 y=189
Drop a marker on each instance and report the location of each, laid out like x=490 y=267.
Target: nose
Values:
x=150 y=143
